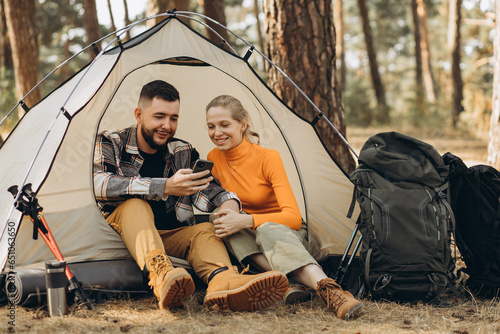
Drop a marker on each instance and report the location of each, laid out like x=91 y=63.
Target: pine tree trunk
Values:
x=339 y=28
x=454 y=50
x=214 y=9
x=111 y=16
x=155 y=7
x=419 y=82
x=431 y=88
x=91 y=24
x=20 y=15
x=5 y=49
x=382 y=113
x=256 y=11
x=494 y=143
x=127 y=17
x=310 y=64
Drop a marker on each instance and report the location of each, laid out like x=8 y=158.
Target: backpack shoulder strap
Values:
x=439 y=191
x=353 y=202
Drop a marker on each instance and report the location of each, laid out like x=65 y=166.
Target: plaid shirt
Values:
x=116 y=176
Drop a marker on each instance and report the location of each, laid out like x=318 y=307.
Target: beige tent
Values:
x=52 y=146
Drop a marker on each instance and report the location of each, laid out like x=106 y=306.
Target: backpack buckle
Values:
x=382 y=282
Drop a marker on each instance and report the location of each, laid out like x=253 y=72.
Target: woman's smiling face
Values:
x=224 y=131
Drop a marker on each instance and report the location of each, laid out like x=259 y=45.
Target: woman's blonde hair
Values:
x=238 y=113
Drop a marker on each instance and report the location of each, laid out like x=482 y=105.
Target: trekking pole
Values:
x=28 y=205
x=346 y=252
x=341 y=268
x=344 y=271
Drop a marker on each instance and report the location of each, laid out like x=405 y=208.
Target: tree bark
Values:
x=311 y=64
x=20 y=16
x=340 y=50
x=155 y=7
x=454 y=51
x=431 y=88
x=111 y=17
x=6 y=61
x=257 y=10
x=382 y=113
x=127 y=17
x=419 y=80
x=214 y=9
x=494 y=142
x=91 y=24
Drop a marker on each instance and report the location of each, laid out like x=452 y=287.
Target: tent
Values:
x=52 y=146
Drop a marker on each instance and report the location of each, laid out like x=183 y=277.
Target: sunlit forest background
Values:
x=418 y=63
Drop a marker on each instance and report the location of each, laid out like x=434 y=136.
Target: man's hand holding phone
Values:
x=186 y=182
x=202 y=165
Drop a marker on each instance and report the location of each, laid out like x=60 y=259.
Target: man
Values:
x=145 y=188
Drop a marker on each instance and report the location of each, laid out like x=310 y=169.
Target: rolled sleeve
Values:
x=225 y=196
x=157 y=189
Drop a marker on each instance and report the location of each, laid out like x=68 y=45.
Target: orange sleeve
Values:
x=288 y=213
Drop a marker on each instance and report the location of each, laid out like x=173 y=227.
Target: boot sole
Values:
x=354 y=312
x=177 y=289
x=256 y=295
x=297 y=296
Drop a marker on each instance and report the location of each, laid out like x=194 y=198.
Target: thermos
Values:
x=56 y=282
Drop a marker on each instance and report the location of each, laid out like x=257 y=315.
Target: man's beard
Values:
x=148 y=136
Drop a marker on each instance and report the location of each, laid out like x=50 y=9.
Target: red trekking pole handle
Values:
x=28 y=205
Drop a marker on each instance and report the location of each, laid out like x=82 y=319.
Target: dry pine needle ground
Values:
x=142 y=315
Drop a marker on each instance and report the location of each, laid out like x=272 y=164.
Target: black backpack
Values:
x=406 y=222
x=475 y=196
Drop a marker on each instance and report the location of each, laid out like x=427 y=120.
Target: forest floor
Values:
x=471 y=149
x=141 y=315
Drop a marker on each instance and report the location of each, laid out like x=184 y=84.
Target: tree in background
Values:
x=494 y=143
x=155 y=7
x=214 y=9
x=60 y=23
x=455 y=56
x=5 y=49
x=20 y=16
x=7 y=86
x=301 y=41
x=431 y=88
x=340 y=48
x=127 y=17
x=419 y=79
x=382 y=112
x=111 y=16
x=256 y=12
x=91 y=24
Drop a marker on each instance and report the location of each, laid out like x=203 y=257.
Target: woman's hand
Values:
x=230 y=222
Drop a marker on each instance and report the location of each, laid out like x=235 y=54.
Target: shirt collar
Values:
x=132 y=147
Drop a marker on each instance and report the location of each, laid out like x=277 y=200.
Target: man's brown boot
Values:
x=170 y=285
x=228 y=290
x=341 y=302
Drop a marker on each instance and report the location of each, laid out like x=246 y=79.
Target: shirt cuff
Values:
x=225 y=197
x=157 y=189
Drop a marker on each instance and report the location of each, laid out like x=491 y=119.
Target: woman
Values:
x=269 y=234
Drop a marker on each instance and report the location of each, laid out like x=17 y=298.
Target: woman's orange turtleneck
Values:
x=257 y=175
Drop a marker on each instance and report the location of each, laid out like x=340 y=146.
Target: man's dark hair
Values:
x=159 y=89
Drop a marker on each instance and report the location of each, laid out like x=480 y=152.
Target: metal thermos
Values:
x=56 y=282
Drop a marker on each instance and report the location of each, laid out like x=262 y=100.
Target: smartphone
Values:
x=201 y=165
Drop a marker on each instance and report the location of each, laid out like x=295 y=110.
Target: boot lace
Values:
x=331 y=293
x=160 y=264
x=243 y=271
